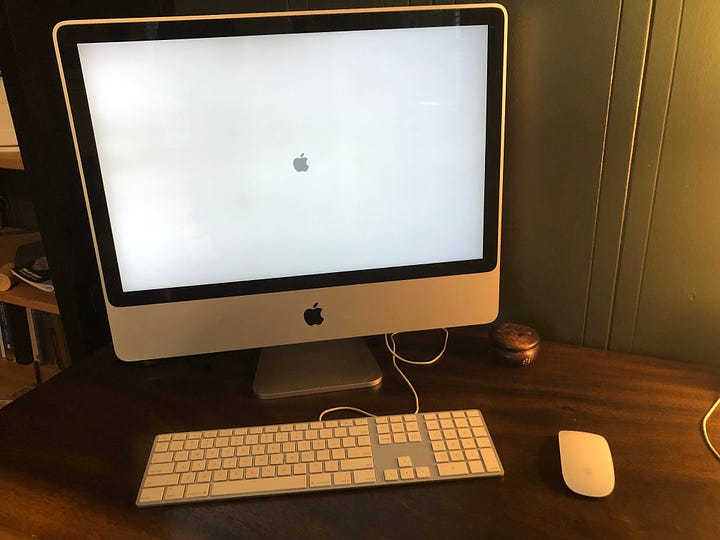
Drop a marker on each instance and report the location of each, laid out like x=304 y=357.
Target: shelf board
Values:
x=26 y=295
x=10 y=158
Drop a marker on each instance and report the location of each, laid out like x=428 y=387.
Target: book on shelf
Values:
x=7 y=349
x=16 y=334
x=31 y=266
x=36 y=273
x=17 y=247
x=30 y=335
x=52 y=348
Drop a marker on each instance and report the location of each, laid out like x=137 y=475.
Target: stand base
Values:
x=312 y=368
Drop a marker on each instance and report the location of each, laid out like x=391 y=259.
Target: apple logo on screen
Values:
x=300 y=163
x=313 y=315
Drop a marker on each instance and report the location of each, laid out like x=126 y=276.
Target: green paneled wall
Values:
x=612 y=201
x=677 y=313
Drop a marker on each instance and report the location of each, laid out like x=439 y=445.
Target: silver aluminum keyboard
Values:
x=314 y=456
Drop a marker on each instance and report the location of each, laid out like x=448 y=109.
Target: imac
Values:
x=267 y=179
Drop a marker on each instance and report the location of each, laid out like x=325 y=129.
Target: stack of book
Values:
x=30 y=335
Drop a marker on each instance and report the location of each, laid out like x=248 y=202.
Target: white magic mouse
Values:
x=587 y=465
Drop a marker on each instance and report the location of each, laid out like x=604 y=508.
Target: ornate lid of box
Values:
x=514 y=344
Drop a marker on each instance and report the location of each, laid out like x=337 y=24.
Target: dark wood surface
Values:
x=72 y=452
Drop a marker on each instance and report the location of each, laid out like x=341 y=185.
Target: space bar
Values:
x=240 y=487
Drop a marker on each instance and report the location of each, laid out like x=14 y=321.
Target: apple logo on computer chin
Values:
x=300 y=163
x=313 y=315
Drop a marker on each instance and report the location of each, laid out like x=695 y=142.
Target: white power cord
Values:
x=704 y=426
x=391 y=346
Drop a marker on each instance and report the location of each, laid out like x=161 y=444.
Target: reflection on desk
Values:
x=74 y=450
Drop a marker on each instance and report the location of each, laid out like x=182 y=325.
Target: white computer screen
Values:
x=200 y=141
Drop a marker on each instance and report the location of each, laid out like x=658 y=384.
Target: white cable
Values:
x=395 y=358
x=704 y=426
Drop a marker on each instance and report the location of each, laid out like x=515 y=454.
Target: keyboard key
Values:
x=385 y=439
x=148 y=495
x=161 y=468
x=363 y=441
x=476 y=467
x=483 y=442
x=404 y=461
x=358 y=452
x=364 y=476
x=454 y=468
x=491 y=462
x=162 y=480
x=174 y=492
x=203 y=476
x=197 y=490
x=258 y=485
x=187 y=478
x=320 y=480
x=391 y=475
x=355 y=464
x=162 y=457
x=342 y=478
x=453 y=444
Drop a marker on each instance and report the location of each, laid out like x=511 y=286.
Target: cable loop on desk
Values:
x=392 y=347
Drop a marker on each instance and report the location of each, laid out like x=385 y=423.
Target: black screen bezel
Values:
x=70 y=35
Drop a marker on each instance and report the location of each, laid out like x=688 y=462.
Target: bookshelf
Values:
x=28 y=296
x=31 y=299
x=10 y=158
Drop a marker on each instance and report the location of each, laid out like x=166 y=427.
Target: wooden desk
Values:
x=56 y=481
